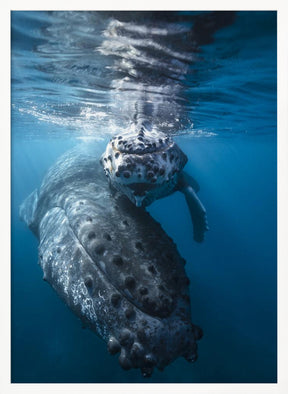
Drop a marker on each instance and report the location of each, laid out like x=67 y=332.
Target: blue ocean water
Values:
x=66 y=91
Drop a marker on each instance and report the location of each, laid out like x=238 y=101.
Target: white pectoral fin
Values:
x=28 y=208
x=187 y=185
x=186 y=179
x=197 y=212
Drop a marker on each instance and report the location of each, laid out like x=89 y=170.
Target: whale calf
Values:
x=112 y=264
x=146 y=164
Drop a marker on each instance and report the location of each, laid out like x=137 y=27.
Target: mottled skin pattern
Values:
x=145 y=165
x=112 y=264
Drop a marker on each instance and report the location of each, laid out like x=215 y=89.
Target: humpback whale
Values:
x=112 y=264
x=146 y=164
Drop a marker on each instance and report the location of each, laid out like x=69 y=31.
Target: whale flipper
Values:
x=28 y=210
x=189 y=186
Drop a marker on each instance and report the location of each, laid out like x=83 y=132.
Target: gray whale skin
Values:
x=112 y=264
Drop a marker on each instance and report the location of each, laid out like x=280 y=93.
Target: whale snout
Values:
x=144 y=166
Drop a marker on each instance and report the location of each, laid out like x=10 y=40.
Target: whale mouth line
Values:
x=141 y=188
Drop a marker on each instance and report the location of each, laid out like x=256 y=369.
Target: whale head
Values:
x=143 y=165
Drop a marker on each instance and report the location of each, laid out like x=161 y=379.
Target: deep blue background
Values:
x=233 y=273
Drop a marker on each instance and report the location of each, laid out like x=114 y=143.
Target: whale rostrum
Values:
x=146 y=165
x=112 y=264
